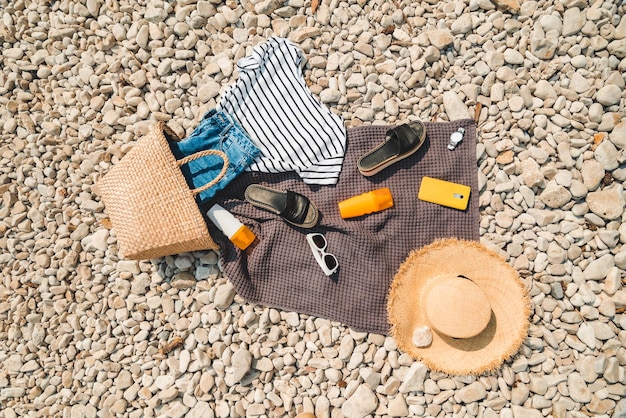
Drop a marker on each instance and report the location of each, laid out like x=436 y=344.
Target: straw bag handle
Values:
x=201 y=154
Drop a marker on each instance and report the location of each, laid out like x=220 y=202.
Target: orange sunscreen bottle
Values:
x=238 y=233
x=369 y=202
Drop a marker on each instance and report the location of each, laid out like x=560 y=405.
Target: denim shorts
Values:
x=220 y=131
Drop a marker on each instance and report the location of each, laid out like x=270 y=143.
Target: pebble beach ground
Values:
x=84 y=333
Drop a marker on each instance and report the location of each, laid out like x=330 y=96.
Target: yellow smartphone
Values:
x=445 y=193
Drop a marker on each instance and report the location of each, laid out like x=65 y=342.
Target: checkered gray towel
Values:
x=280 y=270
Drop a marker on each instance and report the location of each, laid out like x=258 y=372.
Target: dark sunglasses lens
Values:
x=331 y=262
x=319 y=241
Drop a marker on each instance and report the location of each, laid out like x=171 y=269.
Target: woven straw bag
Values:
x=151 y=207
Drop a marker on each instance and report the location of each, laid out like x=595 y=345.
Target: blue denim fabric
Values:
x=220 y=131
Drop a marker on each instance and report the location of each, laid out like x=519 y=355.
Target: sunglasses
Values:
x=327 y=261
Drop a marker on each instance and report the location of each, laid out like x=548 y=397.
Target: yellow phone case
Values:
x=444 y=193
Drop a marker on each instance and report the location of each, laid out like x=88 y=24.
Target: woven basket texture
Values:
x=152 y=209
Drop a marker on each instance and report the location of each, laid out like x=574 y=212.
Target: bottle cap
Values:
x=383 y=198
x=243 y=237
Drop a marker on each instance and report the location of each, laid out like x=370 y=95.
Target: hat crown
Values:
x=456 y=306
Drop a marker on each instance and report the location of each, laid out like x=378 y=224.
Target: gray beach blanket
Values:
x=280 y=271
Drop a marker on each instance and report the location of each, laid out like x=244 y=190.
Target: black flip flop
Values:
x=291 y=206
x=400 y=142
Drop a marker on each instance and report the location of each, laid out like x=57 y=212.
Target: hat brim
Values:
x=506 y=292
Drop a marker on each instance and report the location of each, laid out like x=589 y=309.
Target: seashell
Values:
x=422 y=337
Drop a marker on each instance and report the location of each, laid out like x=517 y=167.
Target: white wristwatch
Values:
x=456 y=138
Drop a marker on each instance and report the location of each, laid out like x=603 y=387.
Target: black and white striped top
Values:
x=293 y=130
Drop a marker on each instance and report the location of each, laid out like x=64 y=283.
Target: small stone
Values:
x=155 y=14
x=538 y=385
x=330 y=95
x=454 y=106
x=578 y=390
x=592 y=173
x=609 y=95
x=511 y=5
x=602 y=331
x=579 y=61
x=362 y=402
x=516 y=103
x=143 y=36
x=13 y=53
x=544 y=90
x=598 y=269
x=185 y=358
x=300 y=35
x=463 y=24
x=129 y=266
x=397 y=407
x=124 y=380
x=80 y=232
x=555 y=195
x=513 y=57
x=241 y=363
x=599 y=406
x=620 y=408
x=264 y=364
x=266 y=7
x=140 y=284
x=573 y=21
x=208 y=91
x=224 y=295
x=586 y=334
x=608 y=121
x=440 y=38
x=612 y=372
x=12 y=392
x=200 y=410
x=579 y=84
x=521 y=412
x=93 y=7
x=472 y=393
x=364 y=114
x=542 y=217
x=607 y=203
x=111 y=117
x=171 y=105
x=346 y=347
x=617 y=48
x=99 y=239
x=13 y=363
x=543 y=44
x=184 y=280
x=164 y=381
x=618 y=135
x=422 y=337
x=414 y=378
x=587 y=369
x=532 y=174
x=505 y=157
x=607 y=155
x=483 y=4
x=292 y=318
x=620 y=260
x=519 y=394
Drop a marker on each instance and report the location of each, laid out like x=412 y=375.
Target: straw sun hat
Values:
x=467 y=299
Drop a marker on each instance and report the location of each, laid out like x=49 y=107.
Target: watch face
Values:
x=456 y=136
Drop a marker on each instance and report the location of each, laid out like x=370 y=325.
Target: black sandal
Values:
x=293 y=207
x=400 y=142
